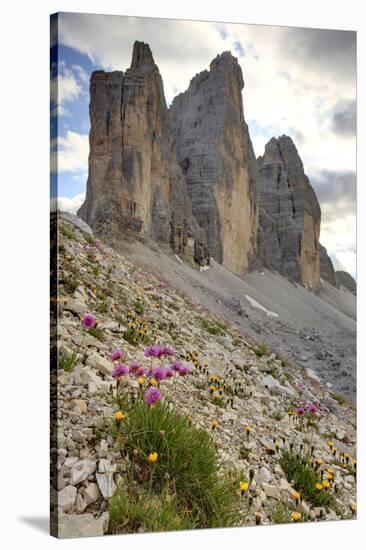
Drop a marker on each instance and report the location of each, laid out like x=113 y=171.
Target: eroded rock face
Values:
x=326 y=267
x=346 y=280
x=217 y=158
x=135 y=183
x=288 y=240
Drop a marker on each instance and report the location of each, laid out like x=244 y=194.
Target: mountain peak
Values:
x=141 y=55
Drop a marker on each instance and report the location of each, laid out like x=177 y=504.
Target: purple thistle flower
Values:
x=153 y=351
x=158 y=373
x=312 y=408
x=176 y=366
x=89 y=321
x=167 y=350
x=169 y=373
x=152 y=395
x=135 y=368
x=120 y=370
x=183 y=371
x=141 y=372
x=117 y=354
x=300 y=411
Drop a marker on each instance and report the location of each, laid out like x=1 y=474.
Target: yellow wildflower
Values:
x=296 y=495
x=215 y=395
x=214 y=423
x=119 y=415
x=318 y=486
x=244 y=486
x=153 y=457
x=140 y=380
x=326 y=483
x=296 y=516
x=330 y=444
x=330 y=471
x=319 y=461
x=248 y=429
x=153 y=382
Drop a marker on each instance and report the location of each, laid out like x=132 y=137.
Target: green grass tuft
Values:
x=187 y=465
x=145 y=512
x=68 y=233
x=281 y=514
x=212 y=328
x=304 y=475
x=260 y=351
x=102 y=307
x=341 y=399
x=97 y=333
x=68 y=361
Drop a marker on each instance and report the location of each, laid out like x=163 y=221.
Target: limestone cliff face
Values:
x=135 y=183
x=217 y=158
x=288 y=240
x=327 y=272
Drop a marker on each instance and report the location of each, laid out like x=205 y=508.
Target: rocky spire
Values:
x=217 y=158
x=135 y=184
x=141 y=55
x=289 y=214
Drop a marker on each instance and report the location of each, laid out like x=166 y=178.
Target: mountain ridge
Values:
x=187 y=177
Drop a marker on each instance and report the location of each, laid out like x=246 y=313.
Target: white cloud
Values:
x=66 y=87
x=293 y=80
x=71 y=205
x=338 y=235
x=70 y=153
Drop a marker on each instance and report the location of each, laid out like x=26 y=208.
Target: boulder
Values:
x=276 y=388
x=81 y=470
x=106 y=484
x=91 y=493
x=96 y=361
x=82 y=525
x=66 y=498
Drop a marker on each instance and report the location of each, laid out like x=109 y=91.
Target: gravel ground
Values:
x=314 y=330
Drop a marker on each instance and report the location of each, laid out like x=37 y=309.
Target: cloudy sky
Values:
x=299 y=82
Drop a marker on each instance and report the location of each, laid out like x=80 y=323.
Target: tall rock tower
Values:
x=288 y=239
x=135 y=183
x=217 y=158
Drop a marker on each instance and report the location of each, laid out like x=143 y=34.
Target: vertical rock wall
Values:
x=217 y=158
x=289 y=215
x=135 y=183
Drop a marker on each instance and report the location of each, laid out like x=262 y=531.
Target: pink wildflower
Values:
x=153 y=395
